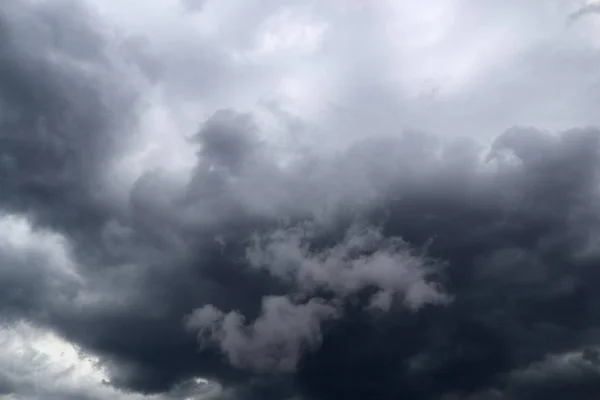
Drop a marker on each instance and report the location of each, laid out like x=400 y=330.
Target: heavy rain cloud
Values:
x=290 y=200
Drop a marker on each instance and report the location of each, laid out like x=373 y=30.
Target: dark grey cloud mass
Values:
x=407 y=265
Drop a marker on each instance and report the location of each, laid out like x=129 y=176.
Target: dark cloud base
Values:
x=517 y=235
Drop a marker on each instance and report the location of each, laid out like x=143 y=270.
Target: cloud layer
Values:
x=291 y=200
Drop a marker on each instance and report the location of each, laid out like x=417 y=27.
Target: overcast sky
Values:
x=299 y=200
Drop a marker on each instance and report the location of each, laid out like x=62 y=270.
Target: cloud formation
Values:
x=585 y=10
x=289 y=200
x=273 y=342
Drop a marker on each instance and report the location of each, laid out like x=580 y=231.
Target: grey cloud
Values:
x=194 y=5
x=274 y=342
x=464 y=213
x=494 y=308
x=584 y=11
x=516 y=230
x=547 y=67
x=38 y=273
x=276 y=339
x=551 y=68
x=557 y=376
x=364 y=258
x=227 y=139
x=64 y=112
x=494 y=224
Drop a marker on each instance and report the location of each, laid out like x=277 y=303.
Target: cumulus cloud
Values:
x=292 y=200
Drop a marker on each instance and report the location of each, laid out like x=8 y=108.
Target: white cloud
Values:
x=39 y=364
x=19 y=238
x=456 y=67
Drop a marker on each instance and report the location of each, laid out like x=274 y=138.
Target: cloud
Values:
x=585 y=10
x=37 y=364
x=275 y=340
x=363 y=259
x=37 y=268
x=194 y=5
x=268 y=201
x=557 y=376
x=285 y=328
x=64 y=102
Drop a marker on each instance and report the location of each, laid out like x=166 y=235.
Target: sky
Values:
x=299 y=200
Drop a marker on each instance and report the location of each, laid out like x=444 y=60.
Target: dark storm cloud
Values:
x=63 y=111
x=407 y=266
x=516 y=235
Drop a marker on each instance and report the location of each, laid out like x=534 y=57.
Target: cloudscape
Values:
x=299 y=200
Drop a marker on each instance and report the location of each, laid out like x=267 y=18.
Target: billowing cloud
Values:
x=363 y=259
x=292 y=200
